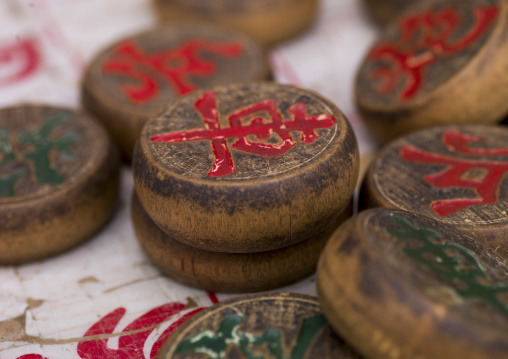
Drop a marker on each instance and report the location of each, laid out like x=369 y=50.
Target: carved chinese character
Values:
x=40 y=147
x=451 y=261
x=456 y=168
x=214 y=345
x=258 y=129
x=424 y=38
x=175 y=66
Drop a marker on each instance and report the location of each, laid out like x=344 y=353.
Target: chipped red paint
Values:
x=175 y=66
x=213 y=297
x=456 y=142
x=224 y=165
x=24 y=55
x=425 y=37
x=130 y=346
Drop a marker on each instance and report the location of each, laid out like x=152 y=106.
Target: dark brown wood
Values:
x=58 y=181
x=246 y=168
x=132 y=80
x=399 y=285
x=385 y=11
x=454 y=174
x=267 y=21
x=229 y=272
x=441 y=62
x=264 y=325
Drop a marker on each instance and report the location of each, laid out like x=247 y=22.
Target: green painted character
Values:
x=39 y=155
x=8 y=182
x=43 y=145
x=457 y=264
x=215 y=345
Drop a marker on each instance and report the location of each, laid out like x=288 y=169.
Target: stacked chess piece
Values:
x=239 y=187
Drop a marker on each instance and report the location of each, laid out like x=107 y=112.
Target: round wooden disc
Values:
x=246 y=168
x=455 y=174
x=129 y=82
x=267 y=21
x=264 y=325
x=229 y=272
x=441 y=62
x=400 y=285
x=385 y=11
x=58 y=181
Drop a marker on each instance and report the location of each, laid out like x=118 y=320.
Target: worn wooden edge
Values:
x=276 y=199
x=482 y=101
x=229 y=272
x=38 y=227
x=127 y=130
x=266 y=27
x=411 y=331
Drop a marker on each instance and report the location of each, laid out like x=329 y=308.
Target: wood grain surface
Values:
x=385 y=11
x=454 y=174
x=400 y=285
x=58 y=181
x=246 y=168
x=264 y=325
x=229 y=272
x=267 y=21
x=133 y=79
x=441 y=62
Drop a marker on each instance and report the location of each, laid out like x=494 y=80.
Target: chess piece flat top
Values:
x=56 y=166
x=229 y=272
x=455 y=174
x=440 y=62
x=246 y=168
x=130 y=81
x=384 y=11
x=279 y=325
x=396 y=284
x=267 y=21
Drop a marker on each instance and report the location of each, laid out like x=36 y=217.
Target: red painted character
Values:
x=425 y=37
x=23 y=57
x=131 y=343
x=223 y=165
x=456 y=168
x=175 y=66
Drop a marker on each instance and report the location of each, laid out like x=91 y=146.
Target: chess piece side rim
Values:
x=229 y=272
x=269 y=212
x=481 y=101
x=366 y=301
x=34 y=227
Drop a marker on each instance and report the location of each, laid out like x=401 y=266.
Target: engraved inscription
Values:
x=424 y=39
x=249 y=135
x=457 y=169
x=175 y=66
x=36 y=155
x=215 y=345
x=459 y=266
